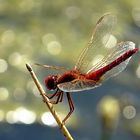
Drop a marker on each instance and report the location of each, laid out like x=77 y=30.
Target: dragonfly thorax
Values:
x=51 y=82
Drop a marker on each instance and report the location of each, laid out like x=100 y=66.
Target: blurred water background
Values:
x=54 y=33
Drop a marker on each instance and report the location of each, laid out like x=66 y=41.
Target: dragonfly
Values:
x=91 y=71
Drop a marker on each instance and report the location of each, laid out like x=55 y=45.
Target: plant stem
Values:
x=50 y=106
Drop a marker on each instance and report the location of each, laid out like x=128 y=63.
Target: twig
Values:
x=50 y=106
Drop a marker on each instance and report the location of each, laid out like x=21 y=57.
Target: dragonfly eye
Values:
x=50 y=82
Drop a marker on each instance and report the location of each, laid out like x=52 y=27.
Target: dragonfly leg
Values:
x=53 y=95
x=71 y=105
x=59 y=98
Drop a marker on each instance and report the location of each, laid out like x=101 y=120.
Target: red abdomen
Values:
x=95 y=75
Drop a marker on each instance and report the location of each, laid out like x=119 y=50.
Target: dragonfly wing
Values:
x=78 y=85
x=97 y=45
x=117 y=51
x=52 y=67
x=116 y=70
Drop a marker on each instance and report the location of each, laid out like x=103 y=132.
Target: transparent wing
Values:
x=98 y=44
x=78 y=85
x=118 y=51
x=116 y=70
x=52 y=67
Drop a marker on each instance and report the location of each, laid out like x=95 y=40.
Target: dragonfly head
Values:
x=51 y=82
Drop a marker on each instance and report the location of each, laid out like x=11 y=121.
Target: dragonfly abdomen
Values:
x=97 y=74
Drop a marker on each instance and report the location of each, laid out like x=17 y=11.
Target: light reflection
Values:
x=129 y=112
x=73 y=12
x=111 y=42
x=109 y=106
x=1 y=115
x=48 y=119
x=54 y=47
x=15 y=58
x=47 y=38
x=3 y=65
x=25 y=116
x=3 y=93
x=21 y=115
x=8 y=37
x=109 y=111
x=18 y=60
x=10 y=117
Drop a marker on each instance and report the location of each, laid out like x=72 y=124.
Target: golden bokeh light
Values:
x=10 y=117
x=48 y=119
x=54 y=47
x=109 y=111
x=21 y=115
x=109 y=106
x=15 y=58
x=8 y=37
x=47 y=38
x=3 y=65
x=4 y=93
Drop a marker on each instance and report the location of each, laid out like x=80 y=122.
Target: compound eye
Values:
x=50 y=82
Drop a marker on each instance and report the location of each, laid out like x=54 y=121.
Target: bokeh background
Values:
x=54 y=33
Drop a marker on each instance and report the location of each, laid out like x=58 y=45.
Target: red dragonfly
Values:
x=89 y=72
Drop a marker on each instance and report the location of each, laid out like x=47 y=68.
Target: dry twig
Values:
x=50 y=106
